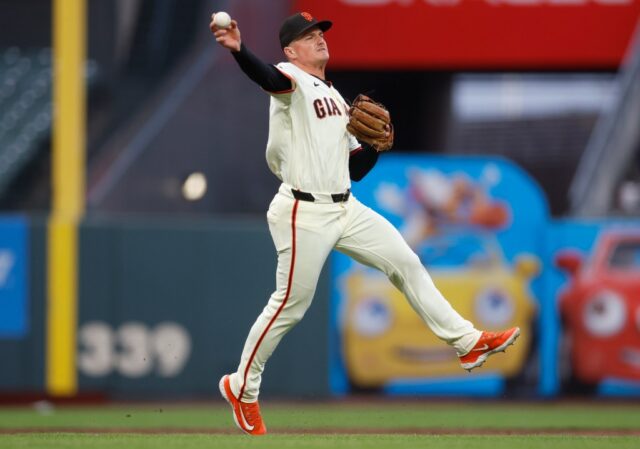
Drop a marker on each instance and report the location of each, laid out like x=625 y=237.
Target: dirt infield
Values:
x=330 y=431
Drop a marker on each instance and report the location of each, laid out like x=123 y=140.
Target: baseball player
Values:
x=314 y=155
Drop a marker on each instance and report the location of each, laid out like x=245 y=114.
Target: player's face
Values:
x=311 y=48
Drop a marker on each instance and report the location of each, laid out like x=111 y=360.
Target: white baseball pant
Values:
x=304 y=233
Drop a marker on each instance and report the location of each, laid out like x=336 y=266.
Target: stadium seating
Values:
x=25 y=107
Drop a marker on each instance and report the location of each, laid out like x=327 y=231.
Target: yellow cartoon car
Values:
x=385 y=340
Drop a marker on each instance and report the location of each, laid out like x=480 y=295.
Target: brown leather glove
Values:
x=370 y=122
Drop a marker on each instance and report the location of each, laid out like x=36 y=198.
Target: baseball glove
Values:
x=370 y=122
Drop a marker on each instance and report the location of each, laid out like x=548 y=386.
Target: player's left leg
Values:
x=372 y=240
x=304 y=234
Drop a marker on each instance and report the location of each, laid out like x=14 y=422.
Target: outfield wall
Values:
x=164 y=309
x=22 y=305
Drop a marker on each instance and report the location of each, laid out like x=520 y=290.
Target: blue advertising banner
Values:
x=479 y=227
x=13 y=277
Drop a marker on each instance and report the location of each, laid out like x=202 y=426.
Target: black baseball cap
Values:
x=297 y=24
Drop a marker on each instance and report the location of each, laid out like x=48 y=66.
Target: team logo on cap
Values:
x=308 y=17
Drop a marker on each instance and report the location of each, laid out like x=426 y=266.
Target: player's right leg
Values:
x=370 y=239
x=304 y=234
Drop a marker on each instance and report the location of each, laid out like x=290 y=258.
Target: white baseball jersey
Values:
x=309 y=145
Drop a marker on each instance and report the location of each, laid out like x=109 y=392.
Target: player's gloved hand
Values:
x=370 y=122
x=229 y=37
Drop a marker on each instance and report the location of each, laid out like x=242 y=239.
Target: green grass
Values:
x=108 y=441
x=376 y=415
x=199 y=424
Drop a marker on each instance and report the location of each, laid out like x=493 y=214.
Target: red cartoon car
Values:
x=600 y=308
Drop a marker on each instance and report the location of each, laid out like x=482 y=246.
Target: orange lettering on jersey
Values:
x=326 y=106
x=326 y=102
x=334 y=108
x=319 y=107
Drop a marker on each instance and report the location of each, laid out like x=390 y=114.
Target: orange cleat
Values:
x=489 y=343
x=245 y=414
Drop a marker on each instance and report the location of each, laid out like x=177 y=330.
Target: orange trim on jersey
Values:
x=284 y=301
x=287 y=91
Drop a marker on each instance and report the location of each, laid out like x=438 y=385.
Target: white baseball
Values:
x=222 y=20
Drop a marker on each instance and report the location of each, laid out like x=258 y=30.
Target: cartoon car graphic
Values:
x=600 y=308
x=385 y=340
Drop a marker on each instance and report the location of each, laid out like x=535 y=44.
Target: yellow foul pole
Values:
x=68 y=186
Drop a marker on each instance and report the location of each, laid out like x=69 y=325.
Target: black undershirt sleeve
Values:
x=361 y=161
x=265 y=75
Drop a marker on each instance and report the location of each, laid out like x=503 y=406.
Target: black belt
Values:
x=306 y=196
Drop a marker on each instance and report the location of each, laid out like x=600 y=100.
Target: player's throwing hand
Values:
x=228 y=37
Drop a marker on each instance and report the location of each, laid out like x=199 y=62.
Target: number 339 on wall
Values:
x=134 y=349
